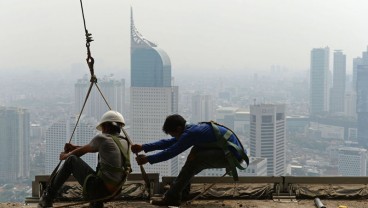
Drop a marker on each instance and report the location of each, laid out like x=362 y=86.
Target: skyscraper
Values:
x=362 y=101
x=152 y=97
x=319 y=84
x=356 y=62
x=362 y=104
x=337 y=94
x=112 y=89
x=352 y=161
x=202 y=108
x=267 y=136
x=350 y=104
x=59 y=133
x=14 y=144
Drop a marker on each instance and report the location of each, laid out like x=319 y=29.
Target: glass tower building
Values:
x=337 y=93
x=319 y=85
x=150 y=65
x=113 y=91
x=152 y=97
x=14 y=144
x=362 y=101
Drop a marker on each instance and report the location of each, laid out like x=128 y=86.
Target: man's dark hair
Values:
x=113 y=127
x=172 y=122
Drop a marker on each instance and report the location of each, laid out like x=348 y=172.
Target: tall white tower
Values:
x=337 y=94
x=14 y=144
x=319 y=80
x=112 y=89
x=202 y=108
x=152 y=97
x=59 y=133
x=267 y=136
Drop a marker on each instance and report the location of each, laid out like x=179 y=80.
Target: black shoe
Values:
x=45 y=200
x=164 y=201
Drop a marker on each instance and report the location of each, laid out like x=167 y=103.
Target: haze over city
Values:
x=284 y=65
x=198 y=35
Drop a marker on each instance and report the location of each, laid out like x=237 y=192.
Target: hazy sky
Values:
x=196 y=34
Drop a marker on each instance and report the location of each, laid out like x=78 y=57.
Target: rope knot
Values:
x=93 y=79
x=88 y=37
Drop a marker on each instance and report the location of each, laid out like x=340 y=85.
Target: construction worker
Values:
x=113 y=163
x=214 y=146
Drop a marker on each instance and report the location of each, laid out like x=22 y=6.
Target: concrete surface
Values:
x=308 y=203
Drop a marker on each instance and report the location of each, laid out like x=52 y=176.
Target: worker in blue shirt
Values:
x=214 y=146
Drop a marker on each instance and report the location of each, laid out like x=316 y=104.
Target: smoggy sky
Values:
x=196 y=34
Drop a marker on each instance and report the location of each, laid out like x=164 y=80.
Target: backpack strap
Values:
x=125 y=170
x=224 y=142
x=126 y=155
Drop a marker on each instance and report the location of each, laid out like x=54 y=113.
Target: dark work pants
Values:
x=80 y=170
x=197 y=161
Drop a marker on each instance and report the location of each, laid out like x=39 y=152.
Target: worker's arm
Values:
x=159 y=145
x=185 y=141
x=80 y=151
x=68 y=147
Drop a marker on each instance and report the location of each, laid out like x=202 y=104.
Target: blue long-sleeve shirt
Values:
x=194 y=135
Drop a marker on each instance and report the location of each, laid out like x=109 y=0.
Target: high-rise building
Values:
x=59 y=133
x=14 y=144
x=350 y=104
x=362 y=104
x=267 y=136
x=152 y=97
x=319 y=81
x=337 y=94
x=356 y=62
x=352 y=161
x=362 y=100
x=202 y=108
x=113 y=90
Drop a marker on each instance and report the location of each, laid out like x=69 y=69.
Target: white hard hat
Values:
x=111 y=116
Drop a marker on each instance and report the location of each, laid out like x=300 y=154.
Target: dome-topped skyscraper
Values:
x=150 y=65
x=152 y=98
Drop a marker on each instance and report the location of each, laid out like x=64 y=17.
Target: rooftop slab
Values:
x=308 y=203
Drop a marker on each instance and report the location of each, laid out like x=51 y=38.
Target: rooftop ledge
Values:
x=252 y=191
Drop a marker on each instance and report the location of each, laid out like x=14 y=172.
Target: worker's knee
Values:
x=71 y=159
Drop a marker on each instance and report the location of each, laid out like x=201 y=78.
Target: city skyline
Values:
x=238 y=56
x=229 y=35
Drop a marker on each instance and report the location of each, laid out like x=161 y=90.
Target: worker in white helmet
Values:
x=113 y=163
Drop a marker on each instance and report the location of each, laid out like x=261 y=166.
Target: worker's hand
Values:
x=69 y=147
x=141 y=159
x=136 y=148
x=63 y=155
